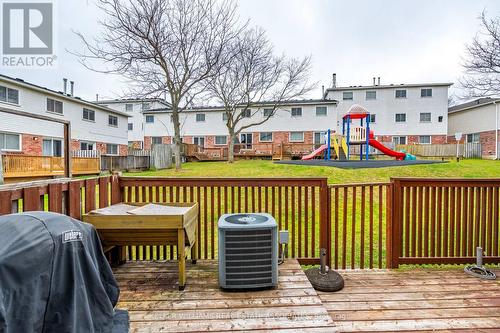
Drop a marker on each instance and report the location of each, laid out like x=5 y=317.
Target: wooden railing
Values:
x=85 y=165
x=16 y=166
x=442 y=221
x=379 y=225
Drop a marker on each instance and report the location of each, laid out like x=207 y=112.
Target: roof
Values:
x=473 y=104
x=389 y=86
x=59 y=94
x=356 y=112
x=132 y=100
x=259 y=104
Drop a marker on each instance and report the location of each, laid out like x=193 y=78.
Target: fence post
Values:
x=394 y=227
x=324 y=218
x=389 y=210
x=116 y=194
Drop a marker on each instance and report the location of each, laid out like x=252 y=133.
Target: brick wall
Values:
x=488 y=144
x=101 y=147
x=32 y=144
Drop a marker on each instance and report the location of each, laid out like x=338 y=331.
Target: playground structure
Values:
x=354 y=135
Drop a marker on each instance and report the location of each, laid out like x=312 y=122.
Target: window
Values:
x=266 y=137
x=113 y=121
x=321 y=111
x=296 y=112
x=427 y=92
x=200 y=117
x=247 y=113
x=129 y=107
x=88 y=114
x=399 y=140
x=130 y=126
x=10 y=141
x=347 y=95
x=221 y=140
x=473 y=138
x=145 y=106
x=85 y=145
x=199 y=140
x=52 y=147
x=400 y=117
x=111 y=149
x=9 y=95
x=400 y=93
x=150 y=119
x=440 y=119
x=296 y=136
x=224 y=116
x=371 y=95
x=319 y=138
x=268 y=112
x=156 y=140
x=373 y=118
x=425 y=117
x=54 y=106
x=424 y=139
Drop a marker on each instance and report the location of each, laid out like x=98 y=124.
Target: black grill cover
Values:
x=54 y=276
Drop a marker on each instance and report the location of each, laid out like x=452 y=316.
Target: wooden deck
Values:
x=372 y=300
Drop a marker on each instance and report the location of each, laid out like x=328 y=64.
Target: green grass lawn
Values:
x=259 y=169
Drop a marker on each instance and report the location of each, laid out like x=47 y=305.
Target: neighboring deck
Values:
x=372 y=300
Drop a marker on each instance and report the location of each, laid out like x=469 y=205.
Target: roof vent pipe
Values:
x=72 y=87
x=378 y=84
x=374 y=80
x=334 y=80
x=322 y=91
x=65 y=85
x=97 y=97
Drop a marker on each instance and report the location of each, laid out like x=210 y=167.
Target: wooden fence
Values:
x=379 y=225
x=124 y=163
x=467 y=150
x=19 y=166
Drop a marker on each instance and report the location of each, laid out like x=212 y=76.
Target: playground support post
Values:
x=348 y=136
x=367 y=136
x=328 y=143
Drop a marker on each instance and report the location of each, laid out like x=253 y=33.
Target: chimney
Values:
x=334 y=80
x=97 y=97
x=65 y=86
x=322 y=91
x=378 y=81
x=72 y=87
x=374 y=80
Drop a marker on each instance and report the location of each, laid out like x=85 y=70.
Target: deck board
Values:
x=372 y=300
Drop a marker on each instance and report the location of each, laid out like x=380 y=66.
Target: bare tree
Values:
x=255 y=78
x=171 y=46
x=482 y=65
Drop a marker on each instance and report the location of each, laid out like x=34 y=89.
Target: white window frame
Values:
x=396 y=118
x=425 y=113
x=127 y=105
x=201 y=115
x=399 y=139
x=400 y=97
x=246 y=113
x=440 y=119
x=52 y=146
x=260 y=136
x=89 y=112
x=20 y=142
x=424 y=143
x=149 y=117
x=370 y=98
x=145 y=106
x=473 y=136
x=374 y=115
x=298 y=108
x=7 y=89
x=54 y=101
x=156 y=137
x=220 y=136
x=425 y=89
x=322 y=140
x=93 y=144
x=322 y=115
x=264 y=112
x=130 y=126
x=112 y=145
x=347 y=92
x=224 y=116
x=200 y=137
x=290 y=136
x=111 y=123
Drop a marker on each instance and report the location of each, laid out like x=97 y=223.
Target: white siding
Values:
x=24 y=125
x=35 y=102
x=473 y=120
x=386 y=105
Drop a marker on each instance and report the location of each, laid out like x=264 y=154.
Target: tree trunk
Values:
x=177 y=137
x=230 y=152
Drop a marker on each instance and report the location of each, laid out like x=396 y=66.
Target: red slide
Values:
x=377 y=145
x=315 y=153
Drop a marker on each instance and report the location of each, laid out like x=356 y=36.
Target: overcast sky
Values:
x=408 y=41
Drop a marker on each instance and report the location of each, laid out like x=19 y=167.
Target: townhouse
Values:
x=134 y=108
x=400 y=113
x=93 y=126
x=294 y=121
x=478 y=121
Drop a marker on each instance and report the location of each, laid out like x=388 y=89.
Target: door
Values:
x=200 y=141
x=246 y=140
